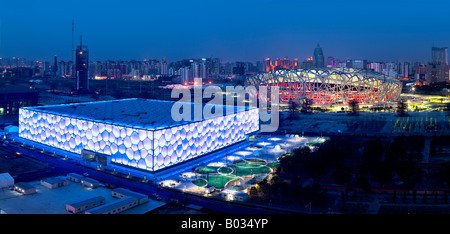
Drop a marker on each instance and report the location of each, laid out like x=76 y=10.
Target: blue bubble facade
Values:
x=150 y=149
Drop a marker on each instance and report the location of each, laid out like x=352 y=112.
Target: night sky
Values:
x=399 y=30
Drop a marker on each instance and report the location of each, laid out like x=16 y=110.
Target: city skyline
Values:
x=228 y=30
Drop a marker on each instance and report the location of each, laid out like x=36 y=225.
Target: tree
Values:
x=362 y=177
x=383 y=172
x=402 y=107
x=293 y=109
x=407 y=171
x=306 y=106
x=354 y=107
x=444 y=172
x=342 y=175
x=373 y=151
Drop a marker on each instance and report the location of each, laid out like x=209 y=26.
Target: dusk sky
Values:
x=400 y=30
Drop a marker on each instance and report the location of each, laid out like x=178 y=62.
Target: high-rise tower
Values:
x=318 y=59
x=82 y=67
x=55 y=67
x=72 y=72
x=439 y=55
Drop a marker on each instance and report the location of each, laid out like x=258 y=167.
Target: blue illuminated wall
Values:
x=146 y=149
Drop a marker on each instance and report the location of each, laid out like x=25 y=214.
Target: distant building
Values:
x=359 y=64
x=278 y=64
x=404 y=69
x=18 y=72
x=185 y=75
x=55 y=67
x=331 y=62
x=318 y=59
x=438 y=70
x=439 y=55
x=436 y=73
x=348 y=63
x=239 y=69
x=65 y=68
x=268 y=65
x=286 y=63
x=295 y=65
x=307 y=64
x=420 y=74
x=164 y=68
x=14 y=97
x=376 y=67
x=82 y=68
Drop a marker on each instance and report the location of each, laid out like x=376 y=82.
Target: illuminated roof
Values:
x=138 y=113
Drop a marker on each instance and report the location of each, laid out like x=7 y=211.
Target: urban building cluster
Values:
x=437 y=70
x=185 y=70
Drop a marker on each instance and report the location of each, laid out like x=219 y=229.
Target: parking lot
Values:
x=18 y=166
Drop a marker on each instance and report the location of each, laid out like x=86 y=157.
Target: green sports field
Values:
x=219 y=176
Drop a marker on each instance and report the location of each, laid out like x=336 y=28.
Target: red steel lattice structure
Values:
x=331 y=86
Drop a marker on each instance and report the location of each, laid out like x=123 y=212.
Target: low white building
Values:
x=6 y=180
x=233 y=195
x=121 y=193
x=86 y=204
x=54 y=182
x=24 y=188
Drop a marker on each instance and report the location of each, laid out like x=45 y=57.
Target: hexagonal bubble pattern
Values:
x=150 y=150
x=74 y=134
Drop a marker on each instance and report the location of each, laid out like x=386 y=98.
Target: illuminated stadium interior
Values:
x=331 y=86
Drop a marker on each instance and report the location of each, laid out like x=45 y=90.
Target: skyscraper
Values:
x=82 y=67
x=359 y=64
x=437 y=73
x=55 y=67
x=438 y=70
x=295 y=65
x=239 y=69
x=318 y=59
x=268 y=65
x=278 y=64
x=195 y=68
x=185 y=75
x=286 y=63
x=439 y=55
x=307 y=64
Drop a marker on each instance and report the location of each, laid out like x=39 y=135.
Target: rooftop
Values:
x=112 y=205
x=87 y=201
x=139 y=113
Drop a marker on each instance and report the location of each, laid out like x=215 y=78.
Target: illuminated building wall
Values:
x=148 y=149
x=268 y=65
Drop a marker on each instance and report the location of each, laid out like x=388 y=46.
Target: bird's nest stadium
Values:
x=330 y=86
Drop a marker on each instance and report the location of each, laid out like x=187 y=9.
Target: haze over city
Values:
x=231 y=30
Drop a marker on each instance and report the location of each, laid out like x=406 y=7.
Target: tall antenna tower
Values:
x=73 y=50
